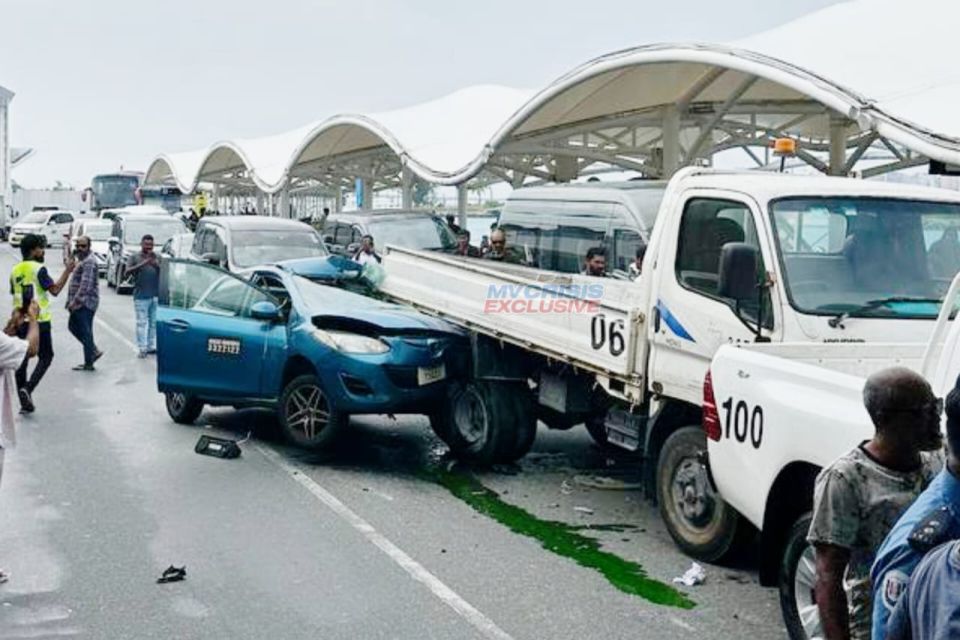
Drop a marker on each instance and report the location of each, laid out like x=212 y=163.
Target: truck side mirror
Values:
x=738 y=271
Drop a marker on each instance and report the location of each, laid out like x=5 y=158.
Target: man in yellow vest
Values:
x=30 y=281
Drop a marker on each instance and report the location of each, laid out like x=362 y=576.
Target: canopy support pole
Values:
x=406 y=188
x=671 y=141
x=462 y=205
x=367 y=203
x=838 y=146
x=285 y=201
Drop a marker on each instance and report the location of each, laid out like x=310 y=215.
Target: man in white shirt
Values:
x=13 y=351
x=366 y=253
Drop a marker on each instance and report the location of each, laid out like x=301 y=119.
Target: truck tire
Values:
x=524 y=426
x=699 y=521
x=480 y=423
x=306 y=417
x=797 y=578
x=182 y=408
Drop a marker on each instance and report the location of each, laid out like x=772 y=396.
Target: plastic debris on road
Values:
x=607 y=483
x=692 y=577
x=587 y=510
x=173 y=574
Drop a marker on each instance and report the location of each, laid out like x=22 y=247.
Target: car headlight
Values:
x=350 y=342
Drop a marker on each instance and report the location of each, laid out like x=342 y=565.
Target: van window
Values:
x=554 y=234
x=708 y=224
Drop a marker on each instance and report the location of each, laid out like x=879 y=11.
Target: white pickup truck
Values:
x=839 y=262
x=774 y=415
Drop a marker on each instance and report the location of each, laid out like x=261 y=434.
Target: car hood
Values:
x=99 y=246
x=27 y=227
x=331 y=307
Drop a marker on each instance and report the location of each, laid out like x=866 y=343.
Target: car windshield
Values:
x=36 y=217
x=325 y=296
x=412 y=233
x=867 y=256
x=253 y=248
x=161 y=229
x=97 y=231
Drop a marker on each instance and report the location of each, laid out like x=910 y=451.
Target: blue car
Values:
x=295 y=338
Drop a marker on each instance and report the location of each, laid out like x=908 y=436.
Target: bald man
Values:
x=860 y=496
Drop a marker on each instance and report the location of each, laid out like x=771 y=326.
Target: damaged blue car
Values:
x=294 y=337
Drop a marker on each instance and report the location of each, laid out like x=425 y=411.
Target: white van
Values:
x=555 y=226
x=52 y=225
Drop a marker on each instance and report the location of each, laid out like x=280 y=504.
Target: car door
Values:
x=64 y=220
x=690 y=319
x=207 y=343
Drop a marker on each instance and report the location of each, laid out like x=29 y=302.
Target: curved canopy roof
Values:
x=867 y=74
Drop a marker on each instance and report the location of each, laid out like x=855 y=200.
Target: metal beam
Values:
x=698 y=87
x=707 y=130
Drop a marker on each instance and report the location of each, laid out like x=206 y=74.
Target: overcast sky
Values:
x=104 y=83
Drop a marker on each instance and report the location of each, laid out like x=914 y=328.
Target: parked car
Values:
x=412 y=229
x=241 y=242
x=178 y=246
x=99 y=233
x=52 y=225
x=128 y=230
x=275 y=337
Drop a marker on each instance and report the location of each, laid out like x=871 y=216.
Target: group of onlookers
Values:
x=886 y=519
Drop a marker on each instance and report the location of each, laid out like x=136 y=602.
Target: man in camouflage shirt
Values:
x=860 y=496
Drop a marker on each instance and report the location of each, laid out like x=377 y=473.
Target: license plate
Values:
x=428 y=375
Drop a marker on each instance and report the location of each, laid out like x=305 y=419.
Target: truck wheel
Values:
x=306 y=417
x=524 y=425
x=479 y=418
x=557 y=420
x=698 y=519
x=797 y=579
x=183 y=409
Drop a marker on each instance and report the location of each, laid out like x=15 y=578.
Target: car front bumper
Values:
x=392 y=382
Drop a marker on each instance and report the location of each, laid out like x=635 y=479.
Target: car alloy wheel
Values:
x=307 y=411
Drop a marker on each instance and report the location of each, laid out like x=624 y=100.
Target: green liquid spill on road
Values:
x=562 y=539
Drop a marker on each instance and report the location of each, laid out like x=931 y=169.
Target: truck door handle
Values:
x=656 y=320
x=179 y=326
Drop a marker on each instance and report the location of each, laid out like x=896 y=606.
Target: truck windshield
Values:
x=256 y=247
x=870 y=257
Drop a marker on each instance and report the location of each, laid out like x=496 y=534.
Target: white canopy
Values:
x=859 y=76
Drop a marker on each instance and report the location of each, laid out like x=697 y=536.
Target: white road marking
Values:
x=482 y=623
x=116 y=334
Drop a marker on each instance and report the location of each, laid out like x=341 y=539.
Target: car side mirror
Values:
x=265 y=310
x=51 y=222
x=738 y=271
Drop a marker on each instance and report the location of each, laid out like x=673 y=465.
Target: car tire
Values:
x=796 y=580
x=183 y=408
x=479 y=421
x=699 y=521
x=303 y=405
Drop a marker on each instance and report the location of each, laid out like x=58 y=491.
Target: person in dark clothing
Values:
x=82 y=301
x=595 y=263
x=464 y=248
x=929 y=608
x=145 y=269
x=452 y=223
x=29 y=280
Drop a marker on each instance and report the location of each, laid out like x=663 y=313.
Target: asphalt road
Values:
x=374 y=540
